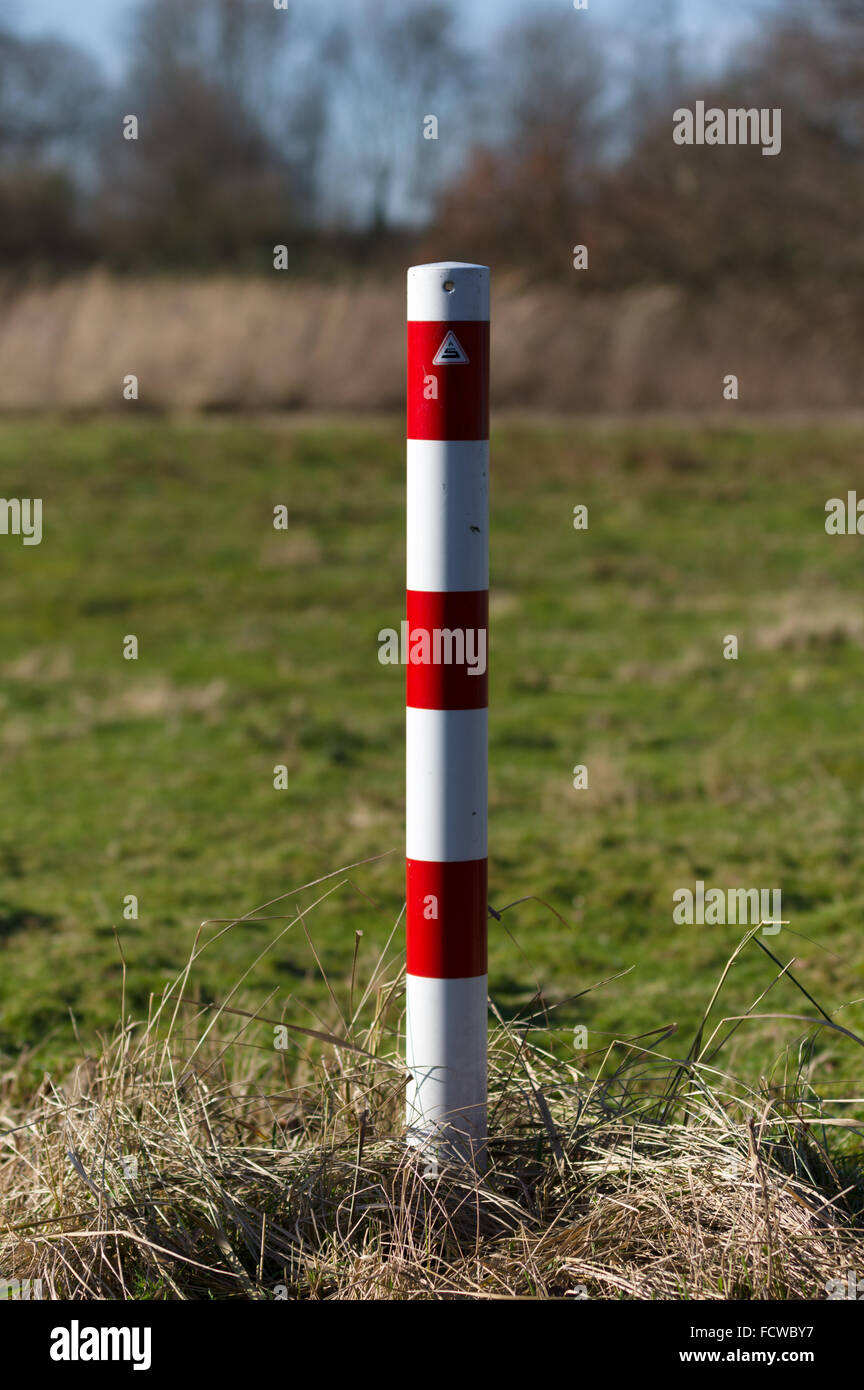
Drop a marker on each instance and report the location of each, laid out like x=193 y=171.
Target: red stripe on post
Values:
x=451 y=945
x=448 y=399
x=442 y=624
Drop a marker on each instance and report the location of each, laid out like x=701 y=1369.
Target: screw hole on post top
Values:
x=449 y=286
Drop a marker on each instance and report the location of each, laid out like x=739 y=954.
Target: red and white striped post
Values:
x=446 y=707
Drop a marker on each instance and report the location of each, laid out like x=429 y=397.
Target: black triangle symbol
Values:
x=451 y=350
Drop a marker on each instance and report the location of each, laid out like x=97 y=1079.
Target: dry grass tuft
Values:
x=801 y=629
x=189 y=1161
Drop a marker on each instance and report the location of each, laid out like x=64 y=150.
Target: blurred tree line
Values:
x=305 y=127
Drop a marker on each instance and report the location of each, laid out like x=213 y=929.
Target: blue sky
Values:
x=100 y=25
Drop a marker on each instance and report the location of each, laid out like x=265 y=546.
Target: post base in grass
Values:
x=449 y=1147
x=447 y=1020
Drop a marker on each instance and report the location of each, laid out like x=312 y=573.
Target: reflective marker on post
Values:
x=446 y=707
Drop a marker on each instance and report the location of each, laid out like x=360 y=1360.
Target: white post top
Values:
x=448 y=291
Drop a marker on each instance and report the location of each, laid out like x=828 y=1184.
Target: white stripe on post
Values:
x=447 y=1019
x=448 y=514
x=445 y=789
x=446 y=714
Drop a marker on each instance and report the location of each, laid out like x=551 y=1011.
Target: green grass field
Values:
x=259 y=647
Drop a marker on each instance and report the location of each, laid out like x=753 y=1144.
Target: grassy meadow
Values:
x=258 y=647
